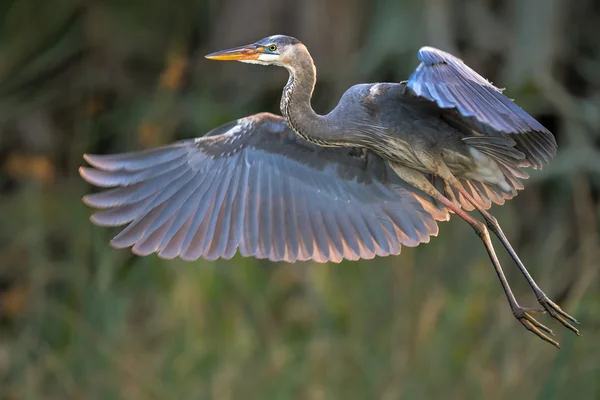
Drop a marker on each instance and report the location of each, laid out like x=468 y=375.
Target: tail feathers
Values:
x=484 y=194
x=510 y=161
x=501 y=149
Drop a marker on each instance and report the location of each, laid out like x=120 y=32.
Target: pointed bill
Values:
x=248 y=52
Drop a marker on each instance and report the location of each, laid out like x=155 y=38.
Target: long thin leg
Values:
x=522 y=314
x=553 y=309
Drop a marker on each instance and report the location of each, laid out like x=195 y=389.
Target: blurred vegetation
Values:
x=80 y=320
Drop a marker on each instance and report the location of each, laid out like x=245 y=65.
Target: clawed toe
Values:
x=557 y=313
x=533 y=325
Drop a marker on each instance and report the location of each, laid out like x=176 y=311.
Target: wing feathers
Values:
x=289 y=225
x=277 y=218
x=236 y=227
x=481 y=106
x=265 y=235
x=249 y=243
x=254 y=186
x=222 y=231
x=306 y=235
x=363 y=236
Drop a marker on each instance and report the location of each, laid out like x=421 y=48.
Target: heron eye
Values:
x=272 y=47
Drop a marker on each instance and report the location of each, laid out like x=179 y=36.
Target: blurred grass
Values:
x=81 y=320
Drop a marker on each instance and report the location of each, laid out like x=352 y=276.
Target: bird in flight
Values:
x=376 y=173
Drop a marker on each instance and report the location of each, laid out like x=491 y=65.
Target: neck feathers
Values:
x=295 y=100
x=301 y=84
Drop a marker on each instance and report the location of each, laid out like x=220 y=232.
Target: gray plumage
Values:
x=375 y=173
x=253 y=184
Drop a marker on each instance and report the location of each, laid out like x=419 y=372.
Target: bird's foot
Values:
x=531 y=324
x=558 y=314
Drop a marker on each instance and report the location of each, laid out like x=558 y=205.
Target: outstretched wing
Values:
x=479 y=105
x=253 y=185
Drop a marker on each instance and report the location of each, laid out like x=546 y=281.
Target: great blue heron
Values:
x=375 y=173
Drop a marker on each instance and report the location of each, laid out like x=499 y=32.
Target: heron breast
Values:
x=399 y=151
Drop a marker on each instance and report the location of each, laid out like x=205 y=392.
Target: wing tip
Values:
x=87 y=157
x=94 y=220
x=88 y=201
x=430 y=55
x=136 y=249
x=167 y=256
x=116 y=243
x=87 y=173
x=83 y=172
x=93 y=160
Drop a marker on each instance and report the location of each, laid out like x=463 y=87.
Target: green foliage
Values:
x=81 y=320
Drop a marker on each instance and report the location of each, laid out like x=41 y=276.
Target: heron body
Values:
x=375 y=173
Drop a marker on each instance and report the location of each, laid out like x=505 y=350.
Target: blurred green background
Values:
x=80 y=320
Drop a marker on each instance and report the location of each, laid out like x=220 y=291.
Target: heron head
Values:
x=273 y=50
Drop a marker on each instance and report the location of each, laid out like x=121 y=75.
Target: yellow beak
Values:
x=249 y=52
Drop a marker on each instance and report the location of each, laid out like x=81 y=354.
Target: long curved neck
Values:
x=296 y=108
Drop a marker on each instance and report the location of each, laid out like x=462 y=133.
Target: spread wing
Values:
x=478 y=105
x=253 y=185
